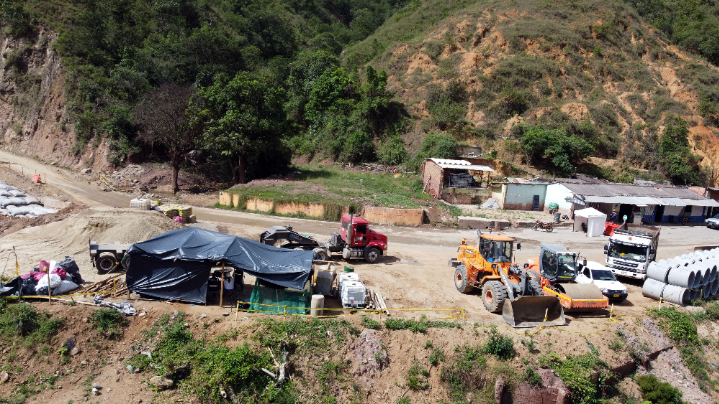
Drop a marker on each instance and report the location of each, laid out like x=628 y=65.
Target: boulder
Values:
x=161 y=383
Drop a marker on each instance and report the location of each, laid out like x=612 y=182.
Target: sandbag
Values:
x=17 y=192
x=65 y=287
x=4 y=193
x=31 y=200
x=54 y=281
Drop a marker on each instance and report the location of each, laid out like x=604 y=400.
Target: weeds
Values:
x=436 y=356
x=577 y=372
x=658 y=392
x=465 y=372
x=499 y=345
x=420 y=325
x=531 y=377
x=530 y=343
x=23 y=321
x=370 y=323
x=417 y=378
x=109 y=322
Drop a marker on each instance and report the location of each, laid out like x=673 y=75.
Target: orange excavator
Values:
x=515 y=292
x=558 y=269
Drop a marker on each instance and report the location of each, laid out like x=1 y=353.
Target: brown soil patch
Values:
x=422 y=62
x=575 y=110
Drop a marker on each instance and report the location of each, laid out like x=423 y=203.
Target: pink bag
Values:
x=44 y=266
x=178 y=219
x=38 y=276
x=27 y=275
x=59 y=271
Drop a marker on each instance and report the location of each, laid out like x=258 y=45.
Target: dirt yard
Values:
x=414 y=274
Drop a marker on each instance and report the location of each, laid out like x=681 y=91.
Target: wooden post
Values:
x=222 y=282
x=49 y=295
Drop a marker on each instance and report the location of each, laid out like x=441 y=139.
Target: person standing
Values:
x=613 y=216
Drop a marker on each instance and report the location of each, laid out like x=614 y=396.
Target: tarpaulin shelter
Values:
x=593 y=219
x=176 y=265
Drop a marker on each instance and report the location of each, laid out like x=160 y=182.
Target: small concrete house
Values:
x=516 y=194
x=455 y=181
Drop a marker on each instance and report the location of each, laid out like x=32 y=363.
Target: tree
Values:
x=556 y=147
x=675 y=155
x=163 y=120
x=243 y=117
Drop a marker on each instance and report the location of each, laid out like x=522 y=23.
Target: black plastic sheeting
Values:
x=176 y=265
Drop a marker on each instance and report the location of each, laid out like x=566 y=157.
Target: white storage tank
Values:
x=352 y=294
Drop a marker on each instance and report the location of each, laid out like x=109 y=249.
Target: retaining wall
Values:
x=315 y=210
x=393 y=216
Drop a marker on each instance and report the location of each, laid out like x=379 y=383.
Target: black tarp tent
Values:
x=176 y=265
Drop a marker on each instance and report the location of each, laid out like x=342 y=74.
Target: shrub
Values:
x=658 y=392
x=436 y=356
x=109 y=322
x=577 y=372
x=499 y=345
x=435 y=146
x=417 y=378
x=531 y=377
x=392 y=152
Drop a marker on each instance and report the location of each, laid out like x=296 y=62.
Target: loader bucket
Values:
x=529 y=311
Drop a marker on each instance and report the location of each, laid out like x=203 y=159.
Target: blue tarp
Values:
x=176 y=265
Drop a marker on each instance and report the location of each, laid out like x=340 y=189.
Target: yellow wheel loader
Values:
x=505 y=287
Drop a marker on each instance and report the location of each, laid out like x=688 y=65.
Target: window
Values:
x=549 y=265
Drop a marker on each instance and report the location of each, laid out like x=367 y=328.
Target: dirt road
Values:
x=414 y=274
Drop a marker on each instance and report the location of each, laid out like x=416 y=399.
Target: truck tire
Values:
x=493 y=296
x=105 y=262
x=321 y=254
x=460 y=279
x=372 y=255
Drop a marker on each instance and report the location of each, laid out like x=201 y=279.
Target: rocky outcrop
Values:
x=34 y=117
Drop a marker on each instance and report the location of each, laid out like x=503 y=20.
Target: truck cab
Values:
x=630 y=252
x=360 y=233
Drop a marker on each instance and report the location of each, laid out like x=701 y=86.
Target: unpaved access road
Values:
x=415 y=271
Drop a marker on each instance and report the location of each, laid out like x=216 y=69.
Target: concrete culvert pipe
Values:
x=658 y=272
x=698 y=280
x=653 y=288
x=715 y=287
x=681 y=277
x=707 y=290
x=676 y=294
x=707 y=276
x=696 y=294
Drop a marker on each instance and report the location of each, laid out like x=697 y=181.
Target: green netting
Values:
x=279 y=298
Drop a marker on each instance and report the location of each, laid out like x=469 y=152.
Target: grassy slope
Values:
x=318 y=184
x=600 y=55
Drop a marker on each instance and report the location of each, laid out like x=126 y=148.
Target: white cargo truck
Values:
x=631 y=249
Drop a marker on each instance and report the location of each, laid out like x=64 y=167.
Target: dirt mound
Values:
x=70 y=236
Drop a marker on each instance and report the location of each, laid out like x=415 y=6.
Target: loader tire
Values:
x=460 y=279
x=535 y=283
x=105 y=263
x=493 y=296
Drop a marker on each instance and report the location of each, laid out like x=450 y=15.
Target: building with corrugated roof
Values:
x=455 y=181
x=650 y=204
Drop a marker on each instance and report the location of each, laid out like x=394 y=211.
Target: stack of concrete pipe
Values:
x=684 y=278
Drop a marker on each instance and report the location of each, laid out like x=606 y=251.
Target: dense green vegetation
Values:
x=335 y=80
x=281 y=56
x=692 y=24
x=658 y=392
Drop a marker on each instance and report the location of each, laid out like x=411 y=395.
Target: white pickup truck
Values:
x=603 y=277
x=629 y=252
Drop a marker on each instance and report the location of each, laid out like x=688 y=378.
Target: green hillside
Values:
x=619 y=89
